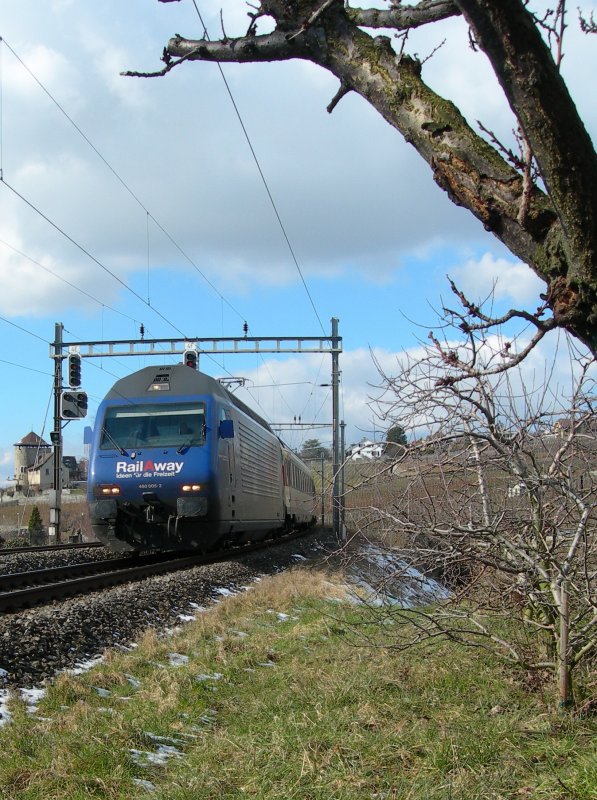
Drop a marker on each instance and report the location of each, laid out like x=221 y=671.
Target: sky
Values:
x=132 y=201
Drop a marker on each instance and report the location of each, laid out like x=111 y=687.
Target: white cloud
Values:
x=283 y=390
x=29 y=289
x=109 y=61
x=49 y=66
x=508 y=280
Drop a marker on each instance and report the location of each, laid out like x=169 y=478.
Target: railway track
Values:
x=39 y=587
x=48 y=548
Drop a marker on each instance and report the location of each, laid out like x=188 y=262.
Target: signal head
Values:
x=74 y=370
x=190 y=359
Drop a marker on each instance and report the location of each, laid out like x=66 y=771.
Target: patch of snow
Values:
x=204 y=677
x=169 y=740
x=187 y=617
x=209 y=718
x=84 y=666
x=126 y=648
x=177 y=659
x=145 y=758
x=4 y=713
x=409 y=587
x=32 y=697
x=148 y=785
x=285 y=617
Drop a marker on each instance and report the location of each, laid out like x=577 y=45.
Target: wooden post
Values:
x=564 y=682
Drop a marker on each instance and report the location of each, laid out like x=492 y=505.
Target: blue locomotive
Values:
x=179 y=462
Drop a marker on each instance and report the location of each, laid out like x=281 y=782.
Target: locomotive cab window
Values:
x=137 y=426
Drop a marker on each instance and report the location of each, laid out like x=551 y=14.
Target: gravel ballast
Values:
x=37 y=643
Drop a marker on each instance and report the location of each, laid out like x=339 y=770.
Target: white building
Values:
x=365 y=449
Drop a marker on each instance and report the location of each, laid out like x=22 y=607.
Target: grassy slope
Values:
x=297 y=712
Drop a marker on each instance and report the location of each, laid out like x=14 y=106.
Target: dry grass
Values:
x=273 y=701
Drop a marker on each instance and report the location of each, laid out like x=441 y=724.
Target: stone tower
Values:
x=28 y=452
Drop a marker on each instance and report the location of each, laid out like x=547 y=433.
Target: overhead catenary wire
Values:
x=268 y=192
x=89 y=255
x=64 y=280
x=262 y=175
x=23 y=366
x=25 y=330
x=118 y=177
x=149 y=217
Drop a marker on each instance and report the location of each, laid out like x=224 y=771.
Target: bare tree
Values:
x=495 y=494
x=552 y=227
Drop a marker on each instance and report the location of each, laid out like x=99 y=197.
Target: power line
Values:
x=270 y=196
x=88 y=254
x=64 y=280
x=148 y=214
x=132 y=194
x=121 y=180
x=263 y=178
x=25 y=330
x=29 y=369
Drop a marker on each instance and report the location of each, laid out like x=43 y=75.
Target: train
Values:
x=178 y=462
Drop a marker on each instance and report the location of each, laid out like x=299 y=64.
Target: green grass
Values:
x=297 y=712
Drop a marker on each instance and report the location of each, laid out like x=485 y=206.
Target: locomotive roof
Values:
x=182 y=380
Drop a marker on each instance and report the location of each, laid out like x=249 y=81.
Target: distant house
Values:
x=585 y=426
x=365 y=449
x=34 y=464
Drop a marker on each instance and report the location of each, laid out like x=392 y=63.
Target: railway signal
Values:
x=74 y=370
x=73 y=405
x=190 y=358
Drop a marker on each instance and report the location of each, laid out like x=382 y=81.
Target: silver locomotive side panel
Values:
x=260 y=472
x=260 y=462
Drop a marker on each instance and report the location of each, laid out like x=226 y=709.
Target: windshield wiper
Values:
x=120 y=449
x=194 y=441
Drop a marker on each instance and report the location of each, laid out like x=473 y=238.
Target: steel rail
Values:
x=50 y=548
x=19 y=598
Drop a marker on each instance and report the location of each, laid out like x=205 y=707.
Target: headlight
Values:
x=107 y=490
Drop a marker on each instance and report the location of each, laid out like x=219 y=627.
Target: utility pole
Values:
x=342 y=528
x=336 y=430
x=322 y=492
x=56 y=438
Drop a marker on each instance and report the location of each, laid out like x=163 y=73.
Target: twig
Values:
x=343 y=90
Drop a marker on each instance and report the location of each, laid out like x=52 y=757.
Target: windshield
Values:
x=137 y=426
